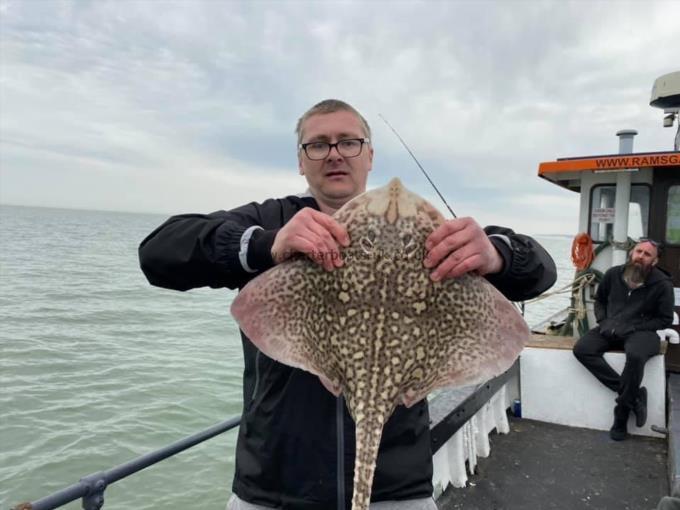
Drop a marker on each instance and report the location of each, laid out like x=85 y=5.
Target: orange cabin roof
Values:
x=556 y=171
x=611 y=162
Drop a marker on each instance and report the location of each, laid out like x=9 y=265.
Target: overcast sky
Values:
x=190 y=106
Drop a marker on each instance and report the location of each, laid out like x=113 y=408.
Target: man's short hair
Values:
x=331 y=106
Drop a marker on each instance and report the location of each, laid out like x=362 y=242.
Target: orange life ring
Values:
x=582 y=251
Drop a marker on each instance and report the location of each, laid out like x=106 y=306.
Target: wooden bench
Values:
x=542 y=341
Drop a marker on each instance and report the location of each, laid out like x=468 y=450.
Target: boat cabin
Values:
x=625 y=197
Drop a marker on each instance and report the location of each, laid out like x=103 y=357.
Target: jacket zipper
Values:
x=257 y=377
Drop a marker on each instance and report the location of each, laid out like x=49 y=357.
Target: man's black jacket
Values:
x=286 y=451
x=620 y=310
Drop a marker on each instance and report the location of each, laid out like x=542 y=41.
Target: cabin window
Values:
x=603 y=203
x=673 y=215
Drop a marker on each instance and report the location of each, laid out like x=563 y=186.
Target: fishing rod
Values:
x=418 y=163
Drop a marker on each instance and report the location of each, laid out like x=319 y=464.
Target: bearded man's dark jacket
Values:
x=620 y=310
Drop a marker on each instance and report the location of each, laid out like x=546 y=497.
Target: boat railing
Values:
x=91 y=488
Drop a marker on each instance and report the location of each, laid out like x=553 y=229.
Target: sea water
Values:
x=98 y=367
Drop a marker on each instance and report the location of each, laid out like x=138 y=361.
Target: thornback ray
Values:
x=378 y=329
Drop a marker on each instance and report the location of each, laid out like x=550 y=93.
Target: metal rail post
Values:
x=96 y=485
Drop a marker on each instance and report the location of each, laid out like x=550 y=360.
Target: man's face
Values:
x=645 y=254
x=336 y=179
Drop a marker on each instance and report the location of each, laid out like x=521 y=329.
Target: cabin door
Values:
x=664 y=221
x=664 y=226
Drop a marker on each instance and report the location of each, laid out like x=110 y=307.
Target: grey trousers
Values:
x=235 y=503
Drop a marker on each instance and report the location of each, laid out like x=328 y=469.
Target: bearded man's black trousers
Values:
x=639 y=346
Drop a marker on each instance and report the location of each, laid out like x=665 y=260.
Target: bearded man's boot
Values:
x=619 y=430
x=640 y=408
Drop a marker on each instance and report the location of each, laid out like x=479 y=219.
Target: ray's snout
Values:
x=395 y=185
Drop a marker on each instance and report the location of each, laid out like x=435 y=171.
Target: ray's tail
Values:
x=368 y=433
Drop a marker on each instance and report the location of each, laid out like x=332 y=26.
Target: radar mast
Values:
x=666 y=95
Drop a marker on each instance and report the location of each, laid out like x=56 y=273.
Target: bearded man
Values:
x=633 y=301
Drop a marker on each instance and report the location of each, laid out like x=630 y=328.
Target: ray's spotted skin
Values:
x=378 y=329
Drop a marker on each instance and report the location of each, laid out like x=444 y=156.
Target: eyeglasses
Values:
x=348 y=148
x=656 y=244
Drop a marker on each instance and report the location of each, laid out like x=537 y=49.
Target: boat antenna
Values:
x=419 y=165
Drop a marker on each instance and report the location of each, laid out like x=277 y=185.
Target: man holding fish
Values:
x=286 y=453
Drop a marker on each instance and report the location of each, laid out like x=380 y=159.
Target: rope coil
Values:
x=576 y=285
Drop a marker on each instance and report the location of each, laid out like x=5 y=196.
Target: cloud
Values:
x=190 y=106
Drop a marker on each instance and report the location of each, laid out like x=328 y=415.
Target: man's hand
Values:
x=610 y=328
x=625 y=330
x=606 y=328
x=460 y=246
x=313 y=233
